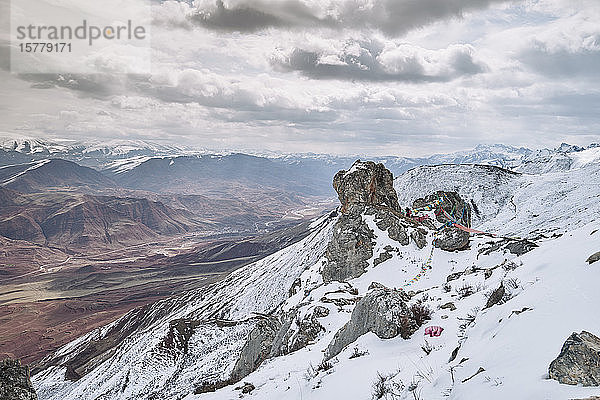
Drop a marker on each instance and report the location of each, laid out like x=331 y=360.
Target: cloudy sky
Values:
x=403 y=77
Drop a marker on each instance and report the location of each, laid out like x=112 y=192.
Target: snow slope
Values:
x=513 y=204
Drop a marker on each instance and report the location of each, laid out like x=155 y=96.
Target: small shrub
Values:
x=420 y=312
x=465 y=291
x=427 y=348
x=356 y=352
x=325 y=365
x=385 y=388
x=447 y=287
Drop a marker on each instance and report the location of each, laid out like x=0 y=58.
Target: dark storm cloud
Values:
x=392 y=17
x=257 y=15
x=376 y=63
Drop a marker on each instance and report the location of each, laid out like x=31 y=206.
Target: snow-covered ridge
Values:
x=511 y=204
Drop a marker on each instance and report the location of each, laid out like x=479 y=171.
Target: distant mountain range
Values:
x=230 y=191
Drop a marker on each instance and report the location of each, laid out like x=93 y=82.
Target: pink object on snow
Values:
x=433 y=331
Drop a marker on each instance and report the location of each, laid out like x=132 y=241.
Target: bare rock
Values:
x=257 y=348
x=448 y=306
x=383 y=256
x=578 y=361
x=496 y=296
x=593 y=258
x=365 y=183
x=349 y=249
x=419 y=237
x=382 y=311
x=451 y=239
x=14 y=381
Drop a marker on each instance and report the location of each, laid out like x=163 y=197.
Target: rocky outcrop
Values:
x=520 y=247
x=593 y=258
x=578 y=361
x=382 y=311
x=365 y=183
x=496 y=296
x=349 y=249
x=392 y=222
x=306 y=330
x=14 y=381
x=449 y=238
x=258 y=347
x=366 y=188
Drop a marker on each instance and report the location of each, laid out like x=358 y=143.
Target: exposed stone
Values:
x=578 y=361
x=257 y=348
x=593 y=258
x=448 y=306
x=520 y=247
x=382 y=311
x=295 y=287
x=308 y=329
x=366 y=183
x=387 y=220
x=451 y=239
x=419 y=236
x=349 y=249
x=384 y=256
x=14 y=381
x=496 y=296
x=246 y=388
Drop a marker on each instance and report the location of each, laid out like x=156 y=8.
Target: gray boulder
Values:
x=578 y=361
x=366 y=183
x=382 y=311
x=14 y=381
x=451 y=239
x=496 y=296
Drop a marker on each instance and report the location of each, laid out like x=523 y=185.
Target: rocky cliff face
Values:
x=14 y=381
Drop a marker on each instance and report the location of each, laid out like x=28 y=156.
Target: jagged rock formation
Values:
x=14 y=381
x=258 y=347
x=382 y=311
x=365 y=183
x=367 y=188
x=393 y=223
x=578 y=361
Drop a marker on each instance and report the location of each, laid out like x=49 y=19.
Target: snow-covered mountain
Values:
x=117 y=156
x=343 y=313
